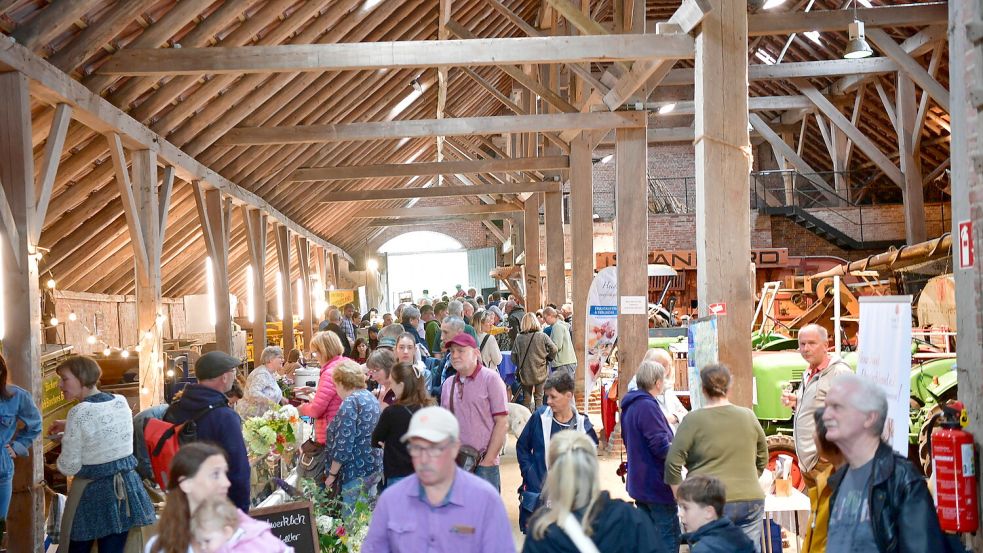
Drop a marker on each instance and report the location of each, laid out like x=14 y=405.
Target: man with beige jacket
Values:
x=811 y=395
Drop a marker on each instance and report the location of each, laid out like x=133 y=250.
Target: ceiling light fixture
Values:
x=415 y=83
x=607 y=158
x=667 y=108
x=770 y=4
x=857 y=47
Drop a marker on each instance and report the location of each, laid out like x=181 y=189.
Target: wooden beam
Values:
x=429 y=168
x=282 y=235
x=304 y=264
x=582 y=247
x=912 y=190
x=129 y=203
x=556 y=280
x=439 y=211
x=865 y=144
x=631 y=238
x=48 y=24
x=256 y=233
x=214 y=215
x=498 y=233
x=722 y=192
x=784 y=23
x=933 y=68
x=402 y=54
x=912 y=68
x=52 y=86
x=53 y=147
x=915 y=45
x=533 y=277
x=21 y=303
x=441 y=191
x=151 y=225
x=790 y=70
x=430 y=221
x=430 y=127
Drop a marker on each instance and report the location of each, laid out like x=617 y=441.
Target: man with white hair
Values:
x=811 y=395
x=880 y=502
x=455 y=308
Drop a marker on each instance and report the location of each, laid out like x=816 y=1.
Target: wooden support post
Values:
x=321 y=270
x=723 y=233
x=21 y=301
x=283 y=262
x=304 y=263
x=534 y=282
x=215 y=216
x=581 y=244
x=256 y=232
x=631 y=236
x=556 y=286
x=335 y=271
x=912 y=191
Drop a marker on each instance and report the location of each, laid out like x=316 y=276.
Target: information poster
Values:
x=340 y=298
x=884 y=356
x=702 y=338
x=602 y=325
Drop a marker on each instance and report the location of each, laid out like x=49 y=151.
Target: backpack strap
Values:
x=483 y=342
x=170 y=432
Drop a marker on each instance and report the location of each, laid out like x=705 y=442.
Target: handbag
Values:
x=312 y=461
x=468 y=457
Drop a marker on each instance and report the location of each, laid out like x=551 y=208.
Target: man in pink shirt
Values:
x=476 y=395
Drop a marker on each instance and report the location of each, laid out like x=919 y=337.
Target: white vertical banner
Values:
x=885 y=357
x=702 y=342
x=601 y=325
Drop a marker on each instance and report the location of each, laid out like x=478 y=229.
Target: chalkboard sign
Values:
x=293 y=523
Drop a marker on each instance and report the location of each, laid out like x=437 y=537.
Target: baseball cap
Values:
x=214 y=364
x=434 y=424
x=462 y=339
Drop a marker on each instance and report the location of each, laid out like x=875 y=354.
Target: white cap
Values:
x=434 y=424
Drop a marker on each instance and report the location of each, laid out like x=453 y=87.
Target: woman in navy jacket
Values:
x=557 y=415
x=647 y=436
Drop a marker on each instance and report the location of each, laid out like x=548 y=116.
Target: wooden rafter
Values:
x=441 y=191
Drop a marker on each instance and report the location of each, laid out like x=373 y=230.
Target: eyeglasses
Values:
x=431 y=451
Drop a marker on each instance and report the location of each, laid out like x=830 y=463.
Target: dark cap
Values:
x=214 y=364
x=462 y=339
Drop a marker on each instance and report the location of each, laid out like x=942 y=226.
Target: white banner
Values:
x=885 y=357
x=702 y=341
x=601 y=325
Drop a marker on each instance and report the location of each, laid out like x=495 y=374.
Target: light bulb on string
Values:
x=53 y=321
x=160 y=319
x=170 y=373
x=106 y=352
x=143 y=390
x=51 y=284
x=91 y=340
x=148 y=335
x=72 y=316
x=124 y=354
x=137 y=348
x=160 y=365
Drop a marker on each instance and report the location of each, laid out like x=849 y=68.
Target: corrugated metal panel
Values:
x=480 y=263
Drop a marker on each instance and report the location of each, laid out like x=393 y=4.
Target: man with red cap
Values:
x=477 y=397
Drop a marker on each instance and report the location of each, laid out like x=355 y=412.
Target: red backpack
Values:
x=163 y=440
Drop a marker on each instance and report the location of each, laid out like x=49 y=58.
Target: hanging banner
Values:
x=885 y=357
x=702 y=339
x=601 y=325
x=341 y=298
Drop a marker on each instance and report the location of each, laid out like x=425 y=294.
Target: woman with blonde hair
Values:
x=531 y=352
x=577 y=515
x=328 y=350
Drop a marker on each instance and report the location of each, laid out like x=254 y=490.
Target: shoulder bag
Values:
x=467 y=457
x=572 y=528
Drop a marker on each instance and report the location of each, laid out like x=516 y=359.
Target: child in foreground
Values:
x=701 y=506
x=218 y=527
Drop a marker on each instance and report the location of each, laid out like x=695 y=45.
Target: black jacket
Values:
x=719 y=536
x=617 y=528
x=343 y=336
x=901 y=510
x=222 y=427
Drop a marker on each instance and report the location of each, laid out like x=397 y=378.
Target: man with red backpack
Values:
x=214 y=420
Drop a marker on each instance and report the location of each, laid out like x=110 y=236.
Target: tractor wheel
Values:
x=780 y=444
x=925 y=439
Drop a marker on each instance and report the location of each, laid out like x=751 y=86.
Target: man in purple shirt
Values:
x=440 y=508
x=476 y=396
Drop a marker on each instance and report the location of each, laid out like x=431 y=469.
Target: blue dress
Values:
x=349 y=437
x=114 y=501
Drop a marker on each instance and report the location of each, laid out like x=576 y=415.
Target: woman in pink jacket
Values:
x=327 y=346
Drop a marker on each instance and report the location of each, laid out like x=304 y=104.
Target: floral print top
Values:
x=349 y=436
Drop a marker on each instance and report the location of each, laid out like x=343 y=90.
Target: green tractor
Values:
x=933 y=383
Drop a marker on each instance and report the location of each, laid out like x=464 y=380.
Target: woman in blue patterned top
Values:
x=354 y=461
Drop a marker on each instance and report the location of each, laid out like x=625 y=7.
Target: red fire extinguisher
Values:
x=953 y=463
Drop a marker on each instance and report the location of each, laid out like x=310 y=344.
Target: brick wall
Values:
x=665 y=161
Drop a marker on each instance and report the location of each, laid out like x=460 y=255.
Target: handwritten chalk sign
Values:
x=293 y=523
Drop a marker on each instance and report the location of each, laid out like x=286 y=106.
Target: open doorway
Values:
x=424 y=260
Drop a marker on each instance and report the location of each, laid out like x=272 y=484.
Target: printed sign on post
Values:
x=601 y=325
x=634 y=305
x=718 y=309
x=967 y=257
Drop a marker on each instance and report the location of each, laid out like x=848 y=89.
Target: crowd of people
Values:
x=412 y=416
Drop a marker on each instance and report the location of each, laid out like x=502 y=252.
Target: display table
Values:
x=507 y=368
x=782 y=509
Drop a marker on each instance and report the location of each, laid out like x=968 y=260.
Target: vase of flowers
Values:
x=272 y=432
x=338 y=533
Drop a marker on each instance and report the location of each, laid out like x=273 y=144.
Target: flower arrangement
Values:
x=286 y=386
x=338 y=533
x=272 y=432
